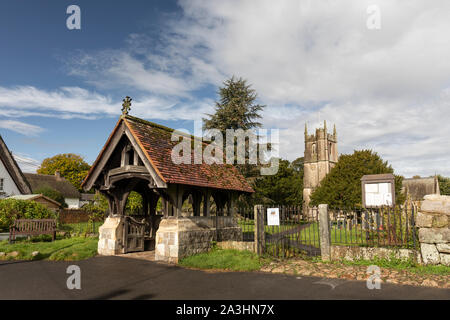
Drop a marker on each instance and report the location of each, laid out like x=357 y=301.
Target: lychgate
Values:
x=137 y=157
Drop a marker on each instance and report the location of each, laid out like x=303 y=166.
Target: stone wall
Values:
x=182 y=237
x=353 y=253
x=434 y=232
x=237 y=245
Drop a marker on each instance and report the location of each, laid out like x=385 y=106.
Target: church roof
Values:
x=417 y=188
x=155 y=141
x=13 y=169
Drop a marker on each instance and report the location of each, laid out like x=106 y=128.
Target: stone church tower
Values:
x=320 y=156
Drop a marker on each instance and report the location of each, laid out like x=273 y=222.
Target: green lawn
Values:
x=80 y=227
x=78 y=248
x=233 y=260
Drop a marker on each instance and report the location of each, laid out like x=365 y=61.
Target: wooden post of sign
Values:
x=324 y=229
x=260 y=240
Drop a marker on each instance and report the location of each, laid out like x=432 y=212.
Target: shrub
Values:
x=12 y=209
x=52 y=194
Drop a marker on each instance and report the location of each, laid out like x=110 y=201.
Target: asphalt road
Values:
x=126 y=278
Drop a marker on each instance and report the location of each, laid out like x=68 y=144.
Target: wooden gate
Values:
x=133 y=235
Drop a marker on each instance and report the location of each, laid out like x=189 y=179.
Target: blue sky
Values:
x=309 y=61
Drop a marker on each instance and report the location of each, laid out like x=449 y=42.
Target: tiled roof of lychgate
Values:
x=155 y=140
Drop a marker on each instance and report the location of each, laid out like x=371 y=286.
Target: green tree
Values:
x=285 y=187
x=52 y=194
x=12 y=209
x=134 y=203
x=342 y=186
x=71 y=166
x=236 y=109
x=444 y=185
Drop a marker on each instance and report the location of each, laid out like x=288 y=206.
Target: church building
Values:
x=321 y=155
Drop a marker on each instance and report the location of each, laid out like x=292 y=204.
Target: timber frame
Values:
x=123 y=165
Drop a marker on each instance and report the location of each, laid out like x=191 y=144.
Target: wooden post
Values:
x=324 y=229
x=206 y=203
x=260 y=239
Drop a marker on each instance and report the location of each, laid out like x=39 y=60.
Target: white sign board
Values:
x=273 y=216
x=378 y=194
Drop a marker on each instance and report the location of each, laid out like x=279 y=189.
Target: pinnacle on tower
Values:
x=306 y=130
x=334 y=130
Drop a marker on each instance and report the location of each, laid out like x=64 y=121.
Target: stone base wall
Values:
x=351 y=253
x=182 y=237
x=237 y=245
x=110 y=240
x=434 y=232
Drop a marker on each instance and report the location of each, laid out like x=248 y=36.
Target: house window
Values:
x=1 y=184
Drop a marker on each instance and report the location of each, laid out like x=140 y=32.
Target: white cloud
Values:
x=385 y=89
x=21 y=127
x=26 y=163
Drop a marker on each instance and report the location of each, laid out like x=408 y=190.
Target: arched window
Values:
x=313 y=148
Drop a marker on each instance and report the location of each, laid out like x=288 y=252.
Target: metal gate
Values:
x=133 y=235
x=296 y=234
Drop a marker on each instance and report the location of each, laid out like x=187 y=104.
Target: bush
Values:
x=52 y=194
x=12 y=209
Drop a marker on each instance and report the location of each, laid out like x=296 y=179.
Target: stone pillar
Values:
x=260 y=239
x=324 y=229
x=111 y=240
x=434 y=232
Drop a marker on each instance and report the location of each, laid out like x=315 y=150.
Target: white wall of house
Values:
x=72 y=203
x=9 y=187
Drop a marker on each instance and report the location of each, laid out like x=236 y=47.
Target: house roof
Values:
x=417 y=188
x=87 y=197
x=155 y=141
x=32 y=197
x=60 y=184
x=13 y=169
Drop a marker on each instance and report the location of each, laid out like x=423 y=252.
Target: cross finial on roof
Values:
x=126 y=105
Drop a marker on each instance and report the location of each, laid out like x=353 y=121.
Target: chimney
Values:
x=58 y=175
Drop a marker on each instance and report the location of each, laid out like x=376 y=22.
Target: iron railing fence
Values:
x=374 y=227
x=297 y=232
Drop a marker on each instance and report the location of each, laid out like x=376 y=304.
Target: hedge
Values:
x=12 y=209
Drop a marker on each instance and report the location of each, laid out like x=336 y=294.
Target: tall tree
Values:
x=236 y=109
x=285 y=187
x=71 y=166
x=342 y=186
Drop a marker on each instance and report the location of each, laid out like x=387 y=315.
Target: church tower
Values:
x=320 y=156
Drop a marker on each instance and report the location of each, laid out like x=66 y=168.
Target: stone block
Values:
x=445 y=259
x=434 y=235
x=443 y=247
x=430 y=254
x=436 y=203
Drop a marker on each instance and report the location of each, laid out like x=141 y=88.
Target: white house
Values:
x=12 y=180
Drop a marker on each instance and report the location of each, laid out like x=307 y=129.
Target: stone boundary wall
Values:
x=434 y=232
x=353 y=253
x=182 y=237
x=237 y=245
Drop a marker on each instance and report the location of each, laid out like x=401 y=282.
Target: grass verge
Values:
x=402 y=265
x=70 y=249
x=233 y=260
